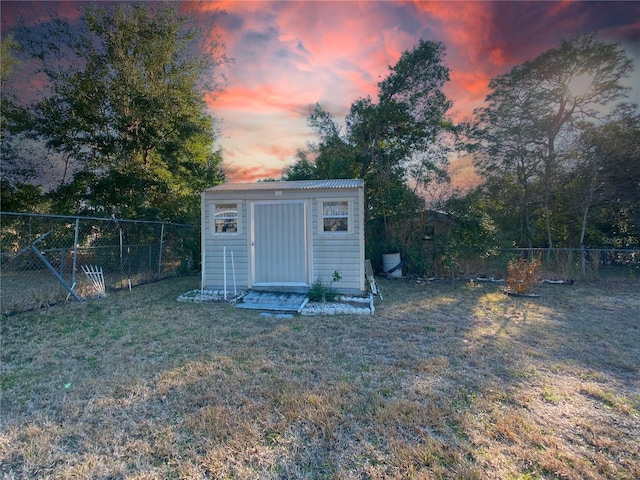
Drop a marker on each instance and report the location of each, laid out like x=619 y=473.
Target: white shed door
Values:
x=279 y=244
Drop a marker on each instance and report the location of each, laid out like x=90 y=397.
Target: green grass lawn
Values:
x=446 y=380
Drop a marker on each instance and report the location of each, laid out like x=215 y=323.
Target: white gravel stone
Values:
x=346 y=305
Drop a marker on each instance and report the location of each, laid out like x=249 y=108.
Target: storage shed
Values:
x=284 y=236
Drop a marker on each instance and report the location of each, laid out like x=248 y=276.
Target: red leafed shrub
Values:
x=522 y=275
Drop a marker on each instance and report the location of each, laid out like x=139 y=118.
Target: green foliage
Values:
x=388 y=143
x=540 y=181
x=471 y=226
x=322 y=292
x=20 y=197
x=418 y=260
x=126 y=110
x=17 y=194
x=302 y=169
x=319 y=292
x=612 y=151
x=8 y=61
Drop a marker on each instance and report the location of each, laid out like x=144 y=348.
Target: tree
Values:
x=126 y=111
x=572 y=83
x=333 y=154
x=16 y=192
x=415 y=85
x=585 y=181
x=387 y=142
x=8 y=61
x=533 y=111
x=302 y=169
x=609 y=164
x=619 y=140
x=604 y=169
x=506 y=146
x=393 y=135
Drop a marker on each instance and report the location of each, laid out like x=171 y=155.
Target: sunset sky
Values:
x=289 y=55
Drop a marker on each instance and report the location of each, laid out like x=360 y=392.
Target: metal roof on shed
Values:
x=292 y=185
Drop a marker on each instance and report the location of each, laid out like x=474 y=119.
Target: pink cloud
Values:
x=560 y=7
x=466 y=26
x=334 y=52
x=468 y=89
x=290 y=55
x=249 y=174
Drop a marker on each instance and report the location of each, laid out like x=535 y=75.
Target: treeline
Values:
x=120 y=113
x=399 y=143
x=557 y=146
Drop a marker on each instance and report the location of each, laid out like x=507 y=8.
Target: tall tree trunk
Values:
x=547 y=193
x=583 y=227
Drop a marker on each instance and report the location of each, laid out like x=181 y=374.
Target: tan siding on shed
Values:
x=326 y=252
x=214 y=247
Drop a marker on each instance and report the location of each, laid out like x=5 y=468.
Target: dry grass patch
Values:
x=446 y=380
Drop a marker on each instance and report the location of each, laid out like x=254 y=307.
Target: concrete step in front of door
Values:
x=274 y=302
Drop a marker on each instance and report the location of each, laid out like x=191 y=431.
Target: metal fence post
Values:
x=75 y=253
x=160 y=254
x=26 y=279
x=121 y=250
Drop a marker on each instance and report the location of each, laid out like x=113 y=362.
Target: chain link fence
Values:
x=556 y=263
x=42 y=256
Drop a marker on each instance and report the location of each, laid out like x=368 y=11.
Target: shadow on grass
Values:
x=447 y=380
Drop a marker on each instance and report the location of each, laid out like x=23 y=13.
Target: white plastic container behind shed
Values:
x=284 y=235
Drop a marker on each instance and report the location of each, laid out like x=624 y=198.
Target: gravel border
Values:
x=346 y=305
x=201 y=296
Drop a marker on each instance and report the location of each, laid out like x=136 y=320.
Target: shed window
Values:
x=226 y=218
x=335 y=216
